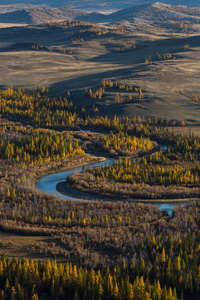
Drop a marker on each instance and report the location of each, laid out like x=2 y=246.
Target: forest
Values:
x=36 y=108
x=173 y=173
x=114 y=249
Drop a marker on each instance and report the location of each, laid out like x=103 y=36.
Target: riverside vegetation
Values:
x=104 y=250
x=172 y=174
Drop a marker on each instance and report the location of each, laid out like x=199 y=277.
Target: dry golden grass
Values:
x=186 y=130
x=14 y=245
x=94 y=60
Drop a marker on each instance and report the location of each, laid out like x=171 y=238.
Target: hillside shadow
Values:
x=88 y=81
x=16 y=17
x=146 y=48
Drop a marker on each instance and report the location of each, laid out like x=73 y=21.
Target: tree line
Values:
x=24 y=279
x=123 y=141
x=127 y=171
x=36 y=108
x=39 y=146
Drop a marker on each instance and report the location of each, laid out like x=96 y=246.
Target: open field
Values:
x=7 y=25
x=187 y=130
x=74 y=58
x=19 y=246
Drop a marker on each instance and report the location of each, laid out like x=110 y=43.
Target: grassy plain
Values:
x=107 y=52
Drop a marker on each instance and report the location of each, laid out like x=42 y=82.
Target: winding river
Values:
x=50 y=183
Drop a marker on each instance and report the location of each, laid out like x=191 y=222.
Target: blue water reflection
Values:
x=47 y=184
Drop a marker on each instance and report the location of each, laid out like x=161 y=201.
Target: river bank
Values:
x=68 y=164
x=69 y=183
x=86 y=183
x=65 y=188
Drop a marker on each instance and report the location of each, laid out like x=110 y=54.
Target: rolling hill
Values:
x=36 y=14
x=160 y=55
x=91 y=4
x=154 y=47
x=43 y=14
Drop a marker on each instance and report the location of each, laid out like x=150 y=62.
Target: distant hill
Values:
x=156 y=11
x=37 y=14
x=124 y=14
x=18 y=16
x=86 y=4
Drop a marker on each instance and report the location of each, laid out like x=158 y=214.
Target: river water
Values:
x=48 y=184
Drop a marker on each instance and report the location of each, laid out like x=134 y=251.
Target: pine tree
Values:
x=8 y=193
x=13 y=194
x=7 y=284
x=13 y=293
x=35 y=297
x=163 y=259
